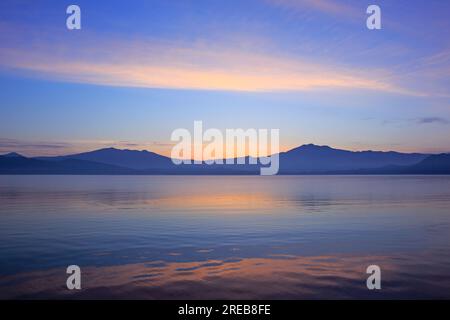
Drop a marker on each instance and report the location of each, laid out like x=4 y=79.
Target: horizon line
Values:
x=236 y=157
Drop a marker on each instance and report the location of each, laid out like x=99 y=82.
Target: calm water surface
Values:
x=240 y=237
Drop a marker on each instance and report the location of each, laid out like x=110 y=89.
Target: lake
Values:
x=225 y=237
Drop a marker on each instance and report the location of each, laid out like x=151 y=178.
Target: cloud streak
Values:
x=34 y=148
x=427 y=120
x=173 y=65
x=330 y=7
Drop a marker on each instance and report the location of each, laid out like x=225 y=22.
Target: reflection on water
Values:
x=325 y=277
x=225 y=237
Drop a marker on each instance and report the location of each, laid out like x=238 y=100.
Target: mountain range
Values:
x=306 y=159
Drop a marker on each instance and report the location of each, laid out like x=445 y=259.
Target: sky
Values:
x=137 y=70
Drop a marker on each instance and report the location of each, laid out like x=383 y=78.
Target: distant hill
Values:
x=306 y=159
x=132 y=159
x=13 y=155
x=311 y=158
x=435 y=164
x=18 y=164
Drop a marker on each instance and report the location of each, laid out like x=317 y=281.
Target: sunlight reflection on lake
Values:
x=225 y=237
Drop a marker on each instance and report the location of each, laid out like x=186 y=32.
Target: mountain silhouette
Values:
x=435 y=164
x=22 y=165
x=13 y=155
x=306 y=159
x=132 y=159
x=312 y=158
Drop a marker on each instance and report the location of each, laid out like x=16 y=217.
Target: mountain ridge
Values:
x=305 y=159
x=133 y=159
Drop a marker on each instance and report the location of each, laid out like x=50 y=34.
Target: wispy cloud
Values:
x=28 y=147
x=330 y=7
x=426 y=120
x=34 y=148
x=151 y=63
x=415 y=121
x=13 y=144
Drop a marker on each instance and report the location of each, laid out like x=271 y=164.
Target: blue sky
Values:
x=137 y=70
